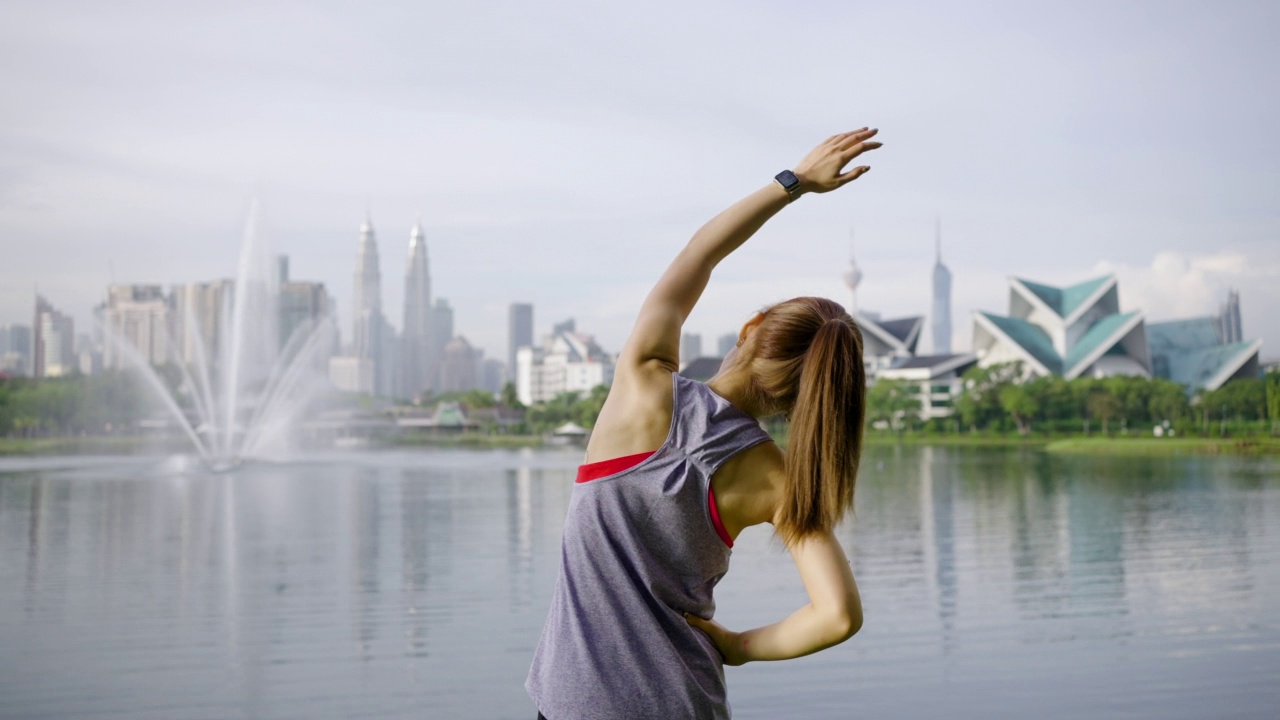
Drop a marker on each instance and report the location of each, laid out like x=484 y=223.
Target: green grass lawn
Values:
x=470 y=440
x=1167 y=446
x=1096 y=445
x=109 y=445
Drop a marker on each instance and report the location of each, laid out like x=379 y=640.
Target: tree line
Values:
x=539 y=418
x=108 y=403
x=1000 y=398
x=114 y=402
x=995 y=398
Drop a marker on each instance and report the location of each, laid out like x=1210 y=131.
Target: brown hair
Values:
x=805 y=360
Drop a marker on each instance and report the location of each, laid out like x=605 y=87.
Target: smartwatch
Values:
x=789 y=182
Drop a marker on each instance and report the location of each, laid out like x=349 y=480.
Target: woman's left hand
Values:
x=729 y=643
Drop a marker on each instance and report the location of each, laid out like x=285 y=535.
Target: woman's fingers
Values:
x=853 y=174
x=855 y=137
x=696 y=621
x=717 y=634
x=841 y=137
x=707 y=626
x=854 y=151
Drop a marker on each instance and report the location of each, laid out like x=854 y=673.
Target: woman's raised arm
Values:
x=656 y=335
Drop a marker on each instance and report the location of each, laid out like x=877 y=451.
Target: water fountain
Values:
x=246 y=401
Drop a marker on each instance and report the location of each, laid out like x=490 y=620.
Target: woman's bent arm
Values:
x=833 y=615
x=656 y=335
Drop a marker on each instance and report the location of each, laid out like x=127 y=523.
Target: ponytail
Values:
x=823 y=382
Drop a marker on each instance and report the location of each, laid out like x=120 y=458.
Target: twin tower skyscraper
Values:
x=406 y=365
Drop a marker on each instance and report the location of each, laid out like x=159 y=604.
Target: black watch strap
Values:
x=789 y=182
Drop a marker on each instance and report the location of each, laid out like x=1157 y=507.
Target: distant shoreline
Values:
x=1079 y=445
x=131 y=444
x=1166 y=446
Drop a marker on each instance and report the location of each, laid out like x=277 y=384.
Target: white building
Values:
x=934 y=378
x=567 y=362
x=197 y=315
x=1079 y=331
x=352 y=373
x=136 y=315
x=886 y=342
x=1073 y=331
x=54 y=343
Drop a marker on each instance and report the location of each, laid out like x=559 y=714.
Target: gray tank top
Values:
x=638 y=551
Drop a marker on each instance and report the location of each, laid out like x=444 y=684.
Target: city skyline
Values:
x=418 y=291
x=1053 y=140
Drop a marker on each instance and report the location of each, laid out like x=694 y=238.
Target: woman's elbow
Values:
x=844 y=621
x=849 y=623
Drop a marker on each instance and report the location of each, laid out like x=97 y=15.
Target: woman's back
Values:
x=636 y=417
x=640 y=549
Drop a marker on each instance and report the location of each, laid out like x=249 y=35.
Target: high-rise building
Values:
x=197 y=311
x=940 y=318
x=15 y=357
x=136 y=320
x=302 y=305
x=367 y=290
x=690 y=348
x=1229 y=327
x=852 y=277
x=282 y=270
x=458 y=366
x=349 y=373
x=416 y=336
x=492 y=372
x=88 y=355
x=441 y=335
x=519 y=333
x=53 y=347
x=369 y=327
x=725 y=344
x=564 y=326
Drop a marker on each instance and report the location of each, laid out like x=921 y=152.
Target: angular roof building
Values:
x=1199 y=353
x=1079 y=331
x=884 y=341
x=898 y=337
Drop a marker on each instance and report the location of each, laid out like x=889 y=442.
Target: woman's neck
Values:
x=734 y=385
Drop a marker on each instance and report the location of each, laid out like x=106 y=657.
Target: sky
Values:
x=561 y=153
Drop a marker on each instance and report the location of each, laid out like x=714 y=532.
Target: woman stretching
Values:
x=648 y=532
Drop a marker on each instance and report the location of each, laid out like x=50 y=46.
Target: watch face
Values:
x=788 y=179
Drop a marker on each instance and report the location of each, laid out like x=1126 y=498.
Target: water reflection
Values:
x=995 y=583
x=938 y=538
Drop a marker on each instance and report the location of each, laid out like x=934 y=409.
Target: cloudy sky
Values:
x=561 y=153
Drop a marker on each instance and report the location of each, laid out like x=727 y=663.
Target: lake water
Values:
x=414 y=585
